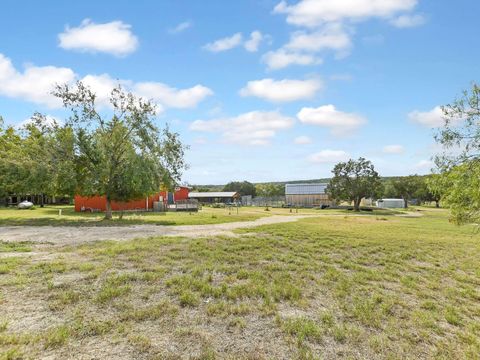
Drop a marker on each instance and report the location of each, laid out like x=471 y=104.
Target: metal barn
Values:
x=215 y=197
x=307 y=195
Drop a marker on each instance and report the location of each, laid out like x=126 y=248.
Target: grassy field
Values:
x=49 y=215
x=371 y=287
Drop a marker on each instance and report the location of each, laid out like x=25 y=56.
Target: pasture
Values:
x=377 y=286
x=49 y=215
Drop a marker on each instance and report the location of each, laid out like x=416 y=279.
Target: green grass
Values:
x=326 y=287
x=49 y=215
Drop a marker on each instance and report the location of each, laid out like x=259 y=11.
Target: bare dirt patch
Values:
x=68 y=235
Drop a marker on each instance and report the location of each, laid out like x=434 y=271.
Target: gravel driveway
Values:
x=71 y=235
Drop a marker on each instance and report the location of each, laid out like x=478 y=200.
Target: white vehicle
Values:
x=25 y=205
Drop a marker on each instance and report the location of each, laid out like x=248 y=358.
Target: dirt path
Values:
x=69 y=235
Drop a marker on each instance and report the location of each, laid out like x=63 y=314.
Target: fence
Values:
x=276 y=201
x=185 y=205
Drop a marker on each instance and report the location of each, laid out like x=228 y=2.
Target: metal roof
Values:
x=305 y=189
x=213 y=194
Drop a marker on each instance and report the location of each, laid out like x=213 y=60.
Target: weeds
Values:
x=406 y=287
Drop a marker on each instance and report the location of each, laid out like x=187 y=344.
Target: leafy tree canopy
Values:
x=270 y=190
x=354 y=180
x=242 y=187
x=36 y=159
x=122 y=155
x=459 y=162
x=406 y=187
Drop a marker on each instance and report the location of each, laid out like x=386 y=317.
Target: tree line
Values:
x=118 y=152
x=455 y=181
x=413 y=187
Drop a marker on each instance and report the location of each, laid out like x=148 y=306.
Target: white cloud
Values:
x=340 y=123
x=180 y=27
x=329 y=156
x=332 y=36
x=253 y=43
x=302 y=140
x=34 y=84
x=303 y=45
x=165 y=96
x=50 y=121
x=113 y=38
x=408 y=20
x=281 y=90
x=432 y=118
x=252 y=128
x=331 y=24
x=282 y=58
x=224 y=44
x=102 y=86
x=312 y=13
x=393 y=149
x=172 y=97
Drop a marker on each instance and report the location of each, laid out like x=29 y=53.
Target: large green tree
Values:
x=270 y=190
x=354 y=180
x=459 y=162
x=242 y=187
x=121 y=154
x=36 y=159
x=407 y=187
x=11 y=164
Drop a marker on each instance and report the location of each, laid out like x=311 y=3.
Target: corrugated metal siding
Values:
x=390 y=203
x=305 y=189
x=308 y=200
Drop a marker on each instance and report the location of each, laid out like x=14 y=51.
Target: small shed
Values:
x=390 y=203
x=215 y=197
x=307 y=195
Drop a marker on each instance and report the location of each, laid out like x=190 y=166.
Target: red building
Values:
x=99 y=203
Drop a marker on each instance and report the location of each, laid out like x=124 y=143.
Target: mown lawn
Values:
x=49 y=215
x=372 y=287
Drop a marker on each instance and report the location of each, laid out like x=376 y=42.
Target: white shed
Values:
x=390 y=203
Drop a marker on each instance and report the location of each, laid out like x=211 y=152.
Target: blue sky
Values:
x=261 y=90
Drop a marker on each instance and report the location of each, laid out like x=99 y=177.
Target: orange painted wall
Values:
x=99 y=202
x=181 y=193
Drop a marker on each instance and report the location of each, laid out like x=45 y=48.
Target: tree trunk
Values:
x=437 y=203
x=42 y=201
x=356 y=204
x=405 y=203
x=108 y=212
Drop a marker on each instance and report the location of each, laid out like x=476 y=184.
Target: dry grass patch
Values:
x=331 y=287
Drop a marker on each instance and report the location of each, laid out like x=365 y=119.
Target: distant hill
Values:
x=309 y=181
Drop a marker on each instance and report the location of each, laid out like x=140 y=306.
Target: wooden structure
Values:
x=307 y=195
x=215 y=197
x=99 y=202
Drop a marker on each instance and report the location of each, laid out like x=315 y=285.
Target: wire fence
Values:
x=275 y=201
